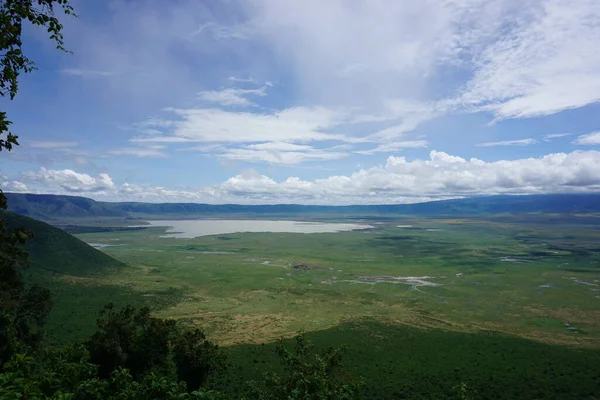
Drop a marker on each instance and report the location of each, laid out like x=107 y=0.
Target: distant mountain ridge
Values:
x=51 y=208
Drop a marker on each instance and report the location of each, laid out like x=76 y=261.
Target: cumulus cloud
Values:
x=70 y=181
x=399 y=180
x=9 y=185
x=590 y=139
x=520 y=142
x=440 y=175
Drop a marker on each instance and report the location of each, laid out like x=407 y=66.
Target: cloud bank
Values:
x=439 y=176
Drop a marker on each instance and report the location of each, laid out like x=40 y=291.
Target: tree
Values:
x=195 y=357
x=144 y=344
x=307 y=375
x=130 y=339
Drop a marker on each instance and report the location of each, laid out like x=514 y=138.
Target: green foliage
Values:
x=23 y=308
x=196 y=358
x=125 y=338
x=402 y=362
x=68 y=375
x=132 y=340
x=307 y=375
x=144 y=344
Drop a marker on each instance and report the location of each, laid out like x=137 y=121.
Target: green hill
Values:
x=73 y=272
x=56 y=251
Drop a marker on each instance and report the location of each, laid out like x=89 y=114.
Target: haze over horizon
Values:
x=338 y=102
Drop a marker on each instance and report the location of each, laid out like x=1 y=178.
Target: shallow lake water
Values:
x=187 y=229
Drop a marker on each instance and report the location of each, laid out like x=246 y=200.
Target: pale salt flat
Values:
x=188 y=229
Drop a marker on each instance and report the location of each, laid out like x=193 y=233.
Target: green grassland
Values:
x=508 y=304
x=519 y=275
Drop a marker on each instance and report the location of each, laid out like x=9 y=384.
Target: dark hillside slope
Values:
x=56 y=251
x=53 y=208
x=74 y=272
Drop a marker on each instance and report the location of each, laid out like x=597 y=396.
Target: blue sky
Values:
x=316 y=102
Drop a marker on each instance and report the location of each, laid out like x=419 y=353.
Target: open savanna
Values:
x=531 y=275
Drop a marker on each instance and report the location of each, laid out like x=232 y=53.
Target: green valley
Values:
x=423 y=303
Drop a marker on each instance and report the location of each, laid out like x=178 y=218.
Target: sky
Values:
x=310 y=102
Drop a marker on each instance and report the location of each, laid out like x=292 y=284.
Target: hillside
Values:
x=56 y=251
x=49 y=207
x=54 y=208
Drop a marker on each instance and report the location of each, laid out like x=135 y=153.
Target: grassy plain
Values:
x=507 y=304
x=535 y=276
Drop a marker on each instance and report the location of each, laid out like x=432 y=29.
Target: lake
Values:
x=188 y=229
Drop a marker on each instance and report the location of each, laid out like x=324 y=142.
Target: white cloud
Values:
x=520 y=142
x=231 y=96
x=543 y=63
x=243 y=80
x=549 y=137
x=441 y=175
x=292 y=124
x=221 y=32
x=397 y=181
x=87 y=72
x=279 y=146
x=162 y=139
x=44 y=144
x=277 y=157
x=276 y=153
x=70 y=181
x=590 y=139
x=150 y=151
x=395 y=146
x=8 y=185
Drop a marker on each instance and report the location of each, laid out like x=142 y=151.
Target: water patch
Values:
x=407 y=280
x=101 y=245
x=582 y=282
x=547 y=286
x=189 y=229
x=513 y=260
